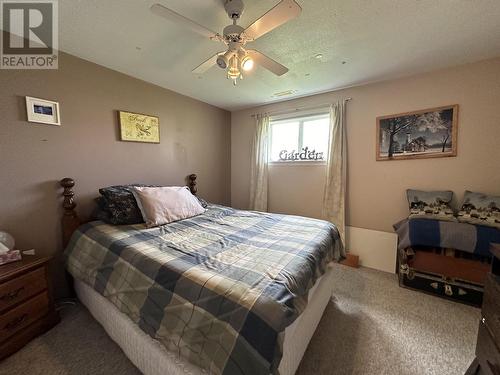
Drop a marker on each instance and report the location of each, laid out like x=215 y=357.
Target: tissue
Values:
x=6 y=242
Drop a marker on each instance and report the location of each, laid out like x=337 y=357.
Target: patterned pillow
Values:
x=121 y=205
x=480 y=209
x=101 y=211
x=430 y=205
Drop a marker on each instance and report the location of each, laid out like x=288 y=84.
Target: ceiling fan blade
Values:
x=203 y=67
x=170 y=15
x=268 y=63
x=283 y=12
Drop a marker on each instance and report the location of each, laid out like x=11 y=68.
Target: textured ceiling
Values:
x=360 y=40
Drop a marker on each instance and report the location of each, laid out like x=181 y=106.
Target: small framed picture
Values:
x=42 y=111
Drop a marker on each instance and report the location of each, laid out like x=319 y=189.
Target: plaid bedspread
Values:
x=217 y=289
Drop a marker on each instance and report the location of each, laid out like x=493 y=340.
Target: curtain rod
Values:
x=286 y=111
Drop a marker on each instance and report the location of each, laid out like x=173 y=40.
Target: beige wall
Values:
x=194 y=138
x=376 y=190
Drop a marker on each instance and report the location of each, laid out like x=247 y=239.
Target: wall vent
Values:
x=285 y=93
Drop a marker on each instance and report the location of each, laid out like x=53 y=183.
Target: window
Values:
x=300 y=139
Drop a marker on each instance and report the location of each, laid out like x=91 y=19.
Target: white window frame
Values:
x=300 y=118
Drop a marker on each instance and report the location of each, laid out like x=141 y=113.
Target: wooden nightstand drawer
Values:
x=491 y=306
x=21 y=288
x=23 y=315
x=26 y=303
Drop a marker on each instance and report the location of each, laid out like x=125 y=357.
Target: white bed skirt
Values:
x=151 y=358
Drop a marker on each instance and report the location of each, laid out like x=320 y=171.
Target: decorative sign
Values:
x=304 y=155
x=136 y=127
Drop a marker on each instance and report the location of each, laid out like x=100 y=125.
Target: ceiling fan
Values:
x=237 y=58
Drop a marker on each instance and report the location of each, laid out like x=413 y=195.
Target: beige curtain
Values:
x=336 y=173
x=260 y=155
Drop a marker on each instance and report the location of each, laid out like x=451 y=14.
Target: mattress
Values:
x=152 y=358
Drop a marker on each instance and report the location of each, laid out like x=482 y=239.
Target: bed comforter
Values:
x=218 y=288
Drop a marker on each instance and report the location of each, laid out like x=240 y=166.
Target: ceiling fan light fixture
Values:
x=235 y=60
x=247 y=63
x=224 y=60
x=233 y=72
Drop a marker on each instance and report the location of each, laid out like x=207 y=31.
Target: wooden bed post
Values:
x=192 y=183
x=70 y=220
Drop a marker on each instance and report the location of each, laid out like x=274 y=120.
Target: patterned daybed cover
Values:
x=470 y=238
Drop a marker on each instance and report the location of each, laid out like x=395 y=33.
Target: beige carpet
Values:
x=371 y=327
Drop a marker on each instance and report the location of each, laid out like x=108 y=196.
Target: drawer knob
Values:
x=14 y=323
x=483 y=320
x=11 y=295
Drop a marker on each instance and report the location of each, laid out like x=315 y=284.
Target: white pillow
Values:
x=163 y=205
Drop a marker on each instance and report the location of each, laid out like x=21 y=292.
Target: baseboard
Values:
x=375 y=249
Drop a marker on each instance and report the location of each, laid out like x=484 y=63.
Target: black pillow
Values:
x=121 y=205
x=101 y=211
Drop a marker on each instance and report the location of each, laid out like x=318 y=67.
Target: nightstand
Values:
x=26 y=303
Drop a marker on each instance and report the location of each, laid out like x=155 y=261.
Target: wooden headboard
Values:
x=71 y=221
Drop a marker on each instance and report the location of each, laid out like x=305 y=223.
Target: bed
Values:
x=224 y=292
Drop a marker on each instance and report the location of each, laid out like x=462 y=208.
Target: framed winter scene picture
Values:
x=429 y=133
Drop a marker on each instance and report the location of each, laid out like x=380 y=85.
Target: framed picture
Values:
x=429 y=133
x=137 y=127
x=42 y=111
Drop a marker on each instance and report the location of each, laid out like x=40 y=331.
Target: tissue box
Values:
x=11 y=256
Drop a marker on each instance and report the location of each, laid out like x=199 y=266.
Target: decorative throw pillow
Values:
x=163 y=205
x=121 y=204
x=101 y=211
x=430 y=205
x=481 y=209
